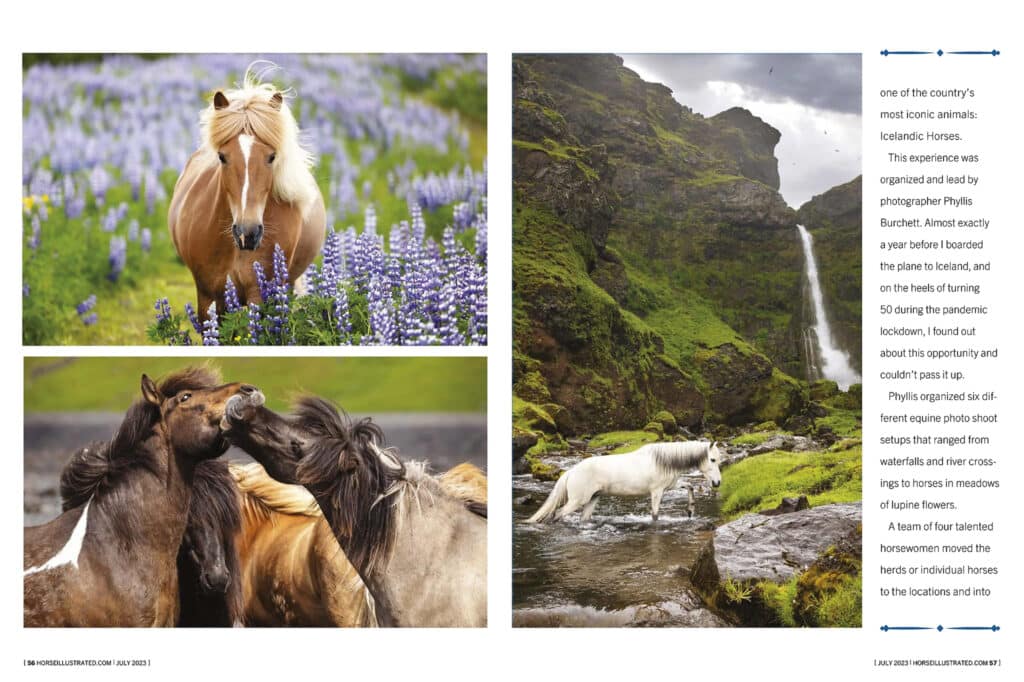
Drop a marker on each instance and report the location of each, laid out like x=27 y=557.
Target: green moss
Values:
x=539 y=469
x=761 y=482
x=560 y=151
x=753 y=439
x=622 y=440
x=843 y=423
x=532 y=417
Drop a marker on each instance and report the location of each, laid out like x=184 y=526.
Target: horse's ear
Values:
x=276 y=100
x=220 y=101
x=150 y=392
x=714 y=444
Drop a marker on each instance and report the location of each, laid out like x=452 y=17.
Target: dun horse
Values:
x=421 y=551
x=646 y=471
x=110 y=559
x=246 y=189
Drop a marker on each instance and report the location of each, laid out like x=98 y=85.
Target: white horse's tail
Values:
x=558 y=497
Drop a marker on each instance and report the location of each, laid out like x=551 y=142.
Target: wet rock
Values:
x=522 y=441
x=522 y=500
x=580 y=445
x=774 y=548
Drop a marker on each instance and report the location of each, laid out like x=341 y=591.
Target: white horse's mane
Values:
x=678 y=457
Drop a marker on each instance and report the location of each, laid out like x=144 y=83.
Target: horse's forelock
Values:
x=189 y=379
x=215 y=498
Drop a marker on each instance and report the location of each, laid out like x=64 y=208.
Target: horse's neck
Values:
x=421 y=582
x=152 y=505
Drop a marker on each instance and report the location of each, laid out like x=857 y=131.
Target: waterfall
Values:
x=824 y=358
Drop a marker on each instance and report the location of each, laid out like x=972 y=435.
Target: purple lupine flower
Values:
x=33 y=241
x=89 y=320
x=86 y=305
x=146 y=239
x=110 y=220
x=253 y=313
x=118 y=257
x=231 y=302
x=381 y=310
x=99 y=182
x=42 y=211
x=342 y=322
x=211 y=332
x=261 y=281
x=163 y=309
x=447 y=328
x=133 y=230
x=190 y=312
x=25 y=289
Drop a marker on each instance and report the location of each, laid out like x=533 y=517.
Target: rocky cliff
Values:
x=655 y=264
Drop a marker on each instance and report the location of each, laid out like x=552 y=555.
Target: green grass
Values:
x=754 y=439
x=364 y=385
x=761 y=482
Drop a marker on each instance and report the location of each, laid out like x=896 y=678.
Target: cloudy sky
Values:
x=814 y=100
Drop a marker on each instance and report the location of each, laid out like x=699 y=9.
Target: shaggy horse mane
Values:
x=98 y=466
x=344 y=460
x=254 y=110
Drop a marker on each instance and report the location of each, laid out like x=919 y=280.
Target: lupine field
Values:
x=401 y=148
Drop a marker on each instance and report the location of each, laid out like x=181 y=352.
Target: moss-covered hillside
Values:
x=655 y=265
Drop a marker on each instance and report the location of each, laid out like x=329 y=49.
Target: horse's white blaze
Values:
x=69 y=553
x=245 y=142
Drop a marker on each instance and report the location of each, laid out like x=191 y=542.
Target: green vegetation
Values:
x=761 y=482
x=364 y=385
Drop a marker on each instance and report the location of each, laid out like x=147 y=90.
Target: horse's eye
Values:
x=270 y=159
x=223 y=159
x=184 y=397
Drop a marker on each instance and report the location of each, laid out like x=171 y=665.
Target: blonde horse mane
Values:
x=465 y=482
x=258 y=488
x=252 y=110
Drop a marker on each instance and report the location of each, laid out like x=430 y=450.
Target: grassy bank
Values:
x=364 y=385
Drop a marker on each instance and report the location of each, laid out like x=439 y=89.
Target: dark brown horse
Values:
x=421 y=551
x=246 y=189
x=209 y=574
x=110 y=559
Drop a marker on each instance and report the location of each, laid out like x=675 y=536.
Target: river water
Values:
x=617 y=570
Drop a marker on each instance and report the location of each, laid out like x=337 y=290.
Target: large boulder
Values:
x=737 y=571
x=756 y=547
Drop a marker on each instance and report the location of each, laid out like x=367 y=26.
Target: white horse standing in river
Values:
x=649 y=470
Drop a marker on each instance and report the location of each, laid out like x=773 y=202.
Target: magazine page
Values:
x=453 y=340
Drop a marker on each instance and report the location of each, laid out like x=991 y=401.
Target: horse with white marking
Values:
x=250 y=178
x=110 y=559
x=650 y=470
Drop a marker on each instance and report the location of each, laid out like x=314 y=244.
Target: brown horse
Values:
x=109 y=560
x=421 y=551
x=246 y=189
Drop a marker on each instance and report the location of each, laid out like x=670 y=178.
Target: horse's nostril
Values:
x=247 y=389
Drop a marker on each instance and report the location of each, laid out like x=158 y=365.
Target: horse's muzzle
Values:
x=242 y=405
x=247 y=238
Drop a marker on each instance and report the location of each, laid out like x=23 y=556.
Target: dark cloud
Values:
x=822 y=81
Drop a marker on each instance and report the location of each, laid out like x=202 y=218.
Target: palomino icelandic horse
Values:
x=246 y=189
x=110 y=559
x=648 y=470
x=421 y=551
